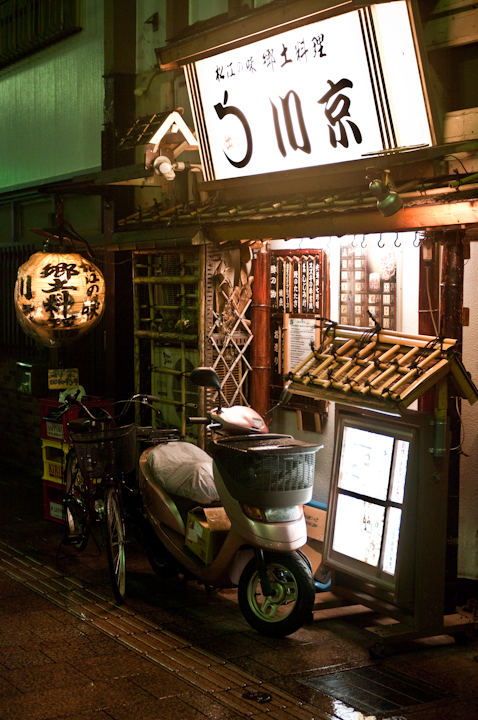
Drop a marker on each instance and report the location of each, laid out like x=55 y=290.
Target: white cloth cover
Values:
x=183 y=469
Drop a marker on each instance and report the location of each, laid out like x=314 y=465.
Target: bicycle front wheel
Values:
x=114 y=541
x=76 y=505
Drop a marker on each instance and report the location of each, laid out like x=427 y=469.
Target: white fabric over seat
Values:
x=183 y=469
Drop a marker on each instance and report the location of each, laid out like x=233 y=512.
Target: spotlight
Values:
x=388 y=200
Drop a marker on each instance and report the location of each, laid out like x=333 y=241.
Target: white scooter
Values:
x=248 y=526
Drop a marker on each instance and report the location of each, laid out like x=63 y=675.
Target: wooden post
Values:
x=429 y=298
x=261 y=330
x=452 y=327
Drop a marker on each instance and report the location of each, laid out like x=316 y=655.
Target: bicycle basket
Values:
x=106 y=452
x=268 y=468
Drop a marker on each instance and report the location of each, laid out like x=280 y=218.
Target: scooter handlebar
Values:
x=199 y=420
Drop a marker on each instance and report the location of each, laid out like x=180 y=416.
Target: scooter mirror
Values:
x=286 y=395
x=205 y=377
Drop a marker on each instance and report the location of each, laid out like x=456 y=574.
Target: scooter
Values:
x=248 y=530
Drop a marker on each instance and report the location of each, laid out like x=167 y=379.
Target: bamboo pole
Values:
x=421 y=341
x=153 y=335
x=166 y=280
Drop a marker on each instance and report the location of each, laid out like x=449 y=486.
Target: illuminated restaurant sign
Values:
x=327 y=92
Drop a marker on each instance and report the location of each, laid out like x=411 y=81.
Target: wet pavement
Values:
x=174 y=652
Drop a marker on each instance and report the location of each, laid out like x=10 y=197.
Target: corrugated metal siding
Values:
x=51 y=107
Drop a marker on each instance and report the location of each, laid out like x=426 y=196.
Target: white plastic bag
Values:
x=183 y=469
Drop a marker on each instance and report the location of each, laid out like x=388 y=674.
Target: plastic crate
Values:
x=274 y=469
x=52 y=501
x=56 y=429
x=54 y=460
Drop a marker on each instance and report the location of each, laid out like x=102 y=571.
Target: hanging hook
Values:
x=419 y=239
x=396 y=243
x=353 y=243
x=382 y=245
x=363 y=244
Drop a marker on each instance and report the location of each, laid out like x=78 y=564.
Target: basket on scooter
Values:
x=106 y=452
x=274 y=470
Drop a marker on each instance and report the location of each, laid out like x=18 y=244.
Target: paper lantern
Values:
x=59 y=296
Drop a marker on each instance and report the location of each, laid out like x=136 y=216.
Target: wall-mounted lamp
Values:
x=388 y=200
x=168 y=168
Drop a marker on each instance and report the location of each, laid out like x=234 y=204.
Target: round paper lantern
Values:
x=59 y=296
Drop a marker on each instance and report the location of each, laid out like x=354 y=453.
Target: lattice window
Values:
x=228 y=328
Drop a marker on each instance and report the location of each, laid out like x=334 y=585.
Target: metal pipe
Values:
x=261 y=330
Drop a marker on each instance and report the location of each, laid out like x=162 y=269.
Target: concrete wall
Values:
x=468 y=525
x=51 y=107
x=20 y=440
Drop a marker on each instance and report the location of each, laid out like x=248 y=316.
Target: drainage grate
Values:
x=375 y=689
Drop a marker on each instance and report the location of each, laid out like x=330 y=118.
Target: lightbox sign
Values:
x=328 y=92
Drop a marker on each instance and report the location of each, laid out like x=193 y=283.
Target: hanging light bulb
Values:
x=59 y=296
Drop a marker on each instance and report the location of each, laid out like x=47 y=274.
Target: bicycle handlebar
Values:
x=139 y=398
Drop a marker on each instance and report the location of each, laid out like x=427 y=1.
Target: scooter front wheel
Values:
x=292 y=599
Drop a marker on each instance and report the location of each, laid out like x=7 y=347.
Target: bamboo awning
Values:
x=379 y=369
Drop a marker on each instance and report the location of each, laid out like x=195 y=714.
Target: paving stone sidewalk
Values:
x=172 y=651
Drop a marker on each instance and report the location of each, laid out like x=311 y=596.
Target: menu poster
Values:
x=301 y=339
x=366 y=462
x=359 y=529
x=368 y=282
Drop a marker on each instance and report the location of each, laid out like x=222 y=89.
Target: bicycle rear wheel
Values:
x=76 y=507
x=114 y=541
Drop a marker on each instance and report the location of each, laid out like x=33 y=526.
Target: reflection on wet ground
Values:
x=175 y=651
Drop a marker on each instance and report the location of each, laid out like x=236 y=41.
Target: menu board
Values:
x=298 y=295
x=371 y=480
x=297 y=282
x=368 y=282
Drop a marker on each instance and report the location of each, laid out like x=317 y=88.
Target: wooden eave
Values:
x=378 y=369
x=256 y=26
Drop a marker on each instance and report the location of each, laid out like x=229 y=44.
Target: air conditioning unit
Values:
x=168 y=385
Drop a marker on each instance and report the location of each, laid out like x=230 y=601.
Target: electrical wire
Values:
x=459 y=447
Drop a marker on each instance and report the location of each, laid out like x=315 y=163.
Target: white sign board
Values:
x=327 y=92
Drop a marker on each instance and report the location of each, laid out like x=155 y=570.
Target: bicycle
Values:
x=94 y=477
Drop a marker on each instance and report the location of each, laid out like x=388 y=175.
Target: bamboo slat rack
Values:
x=377 y=369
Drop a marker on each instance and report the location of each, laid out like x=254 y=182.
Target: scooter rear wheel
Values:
x=292 y=600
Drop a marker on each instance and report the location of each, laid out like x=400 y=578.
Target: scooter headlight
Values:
x=272 y=515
